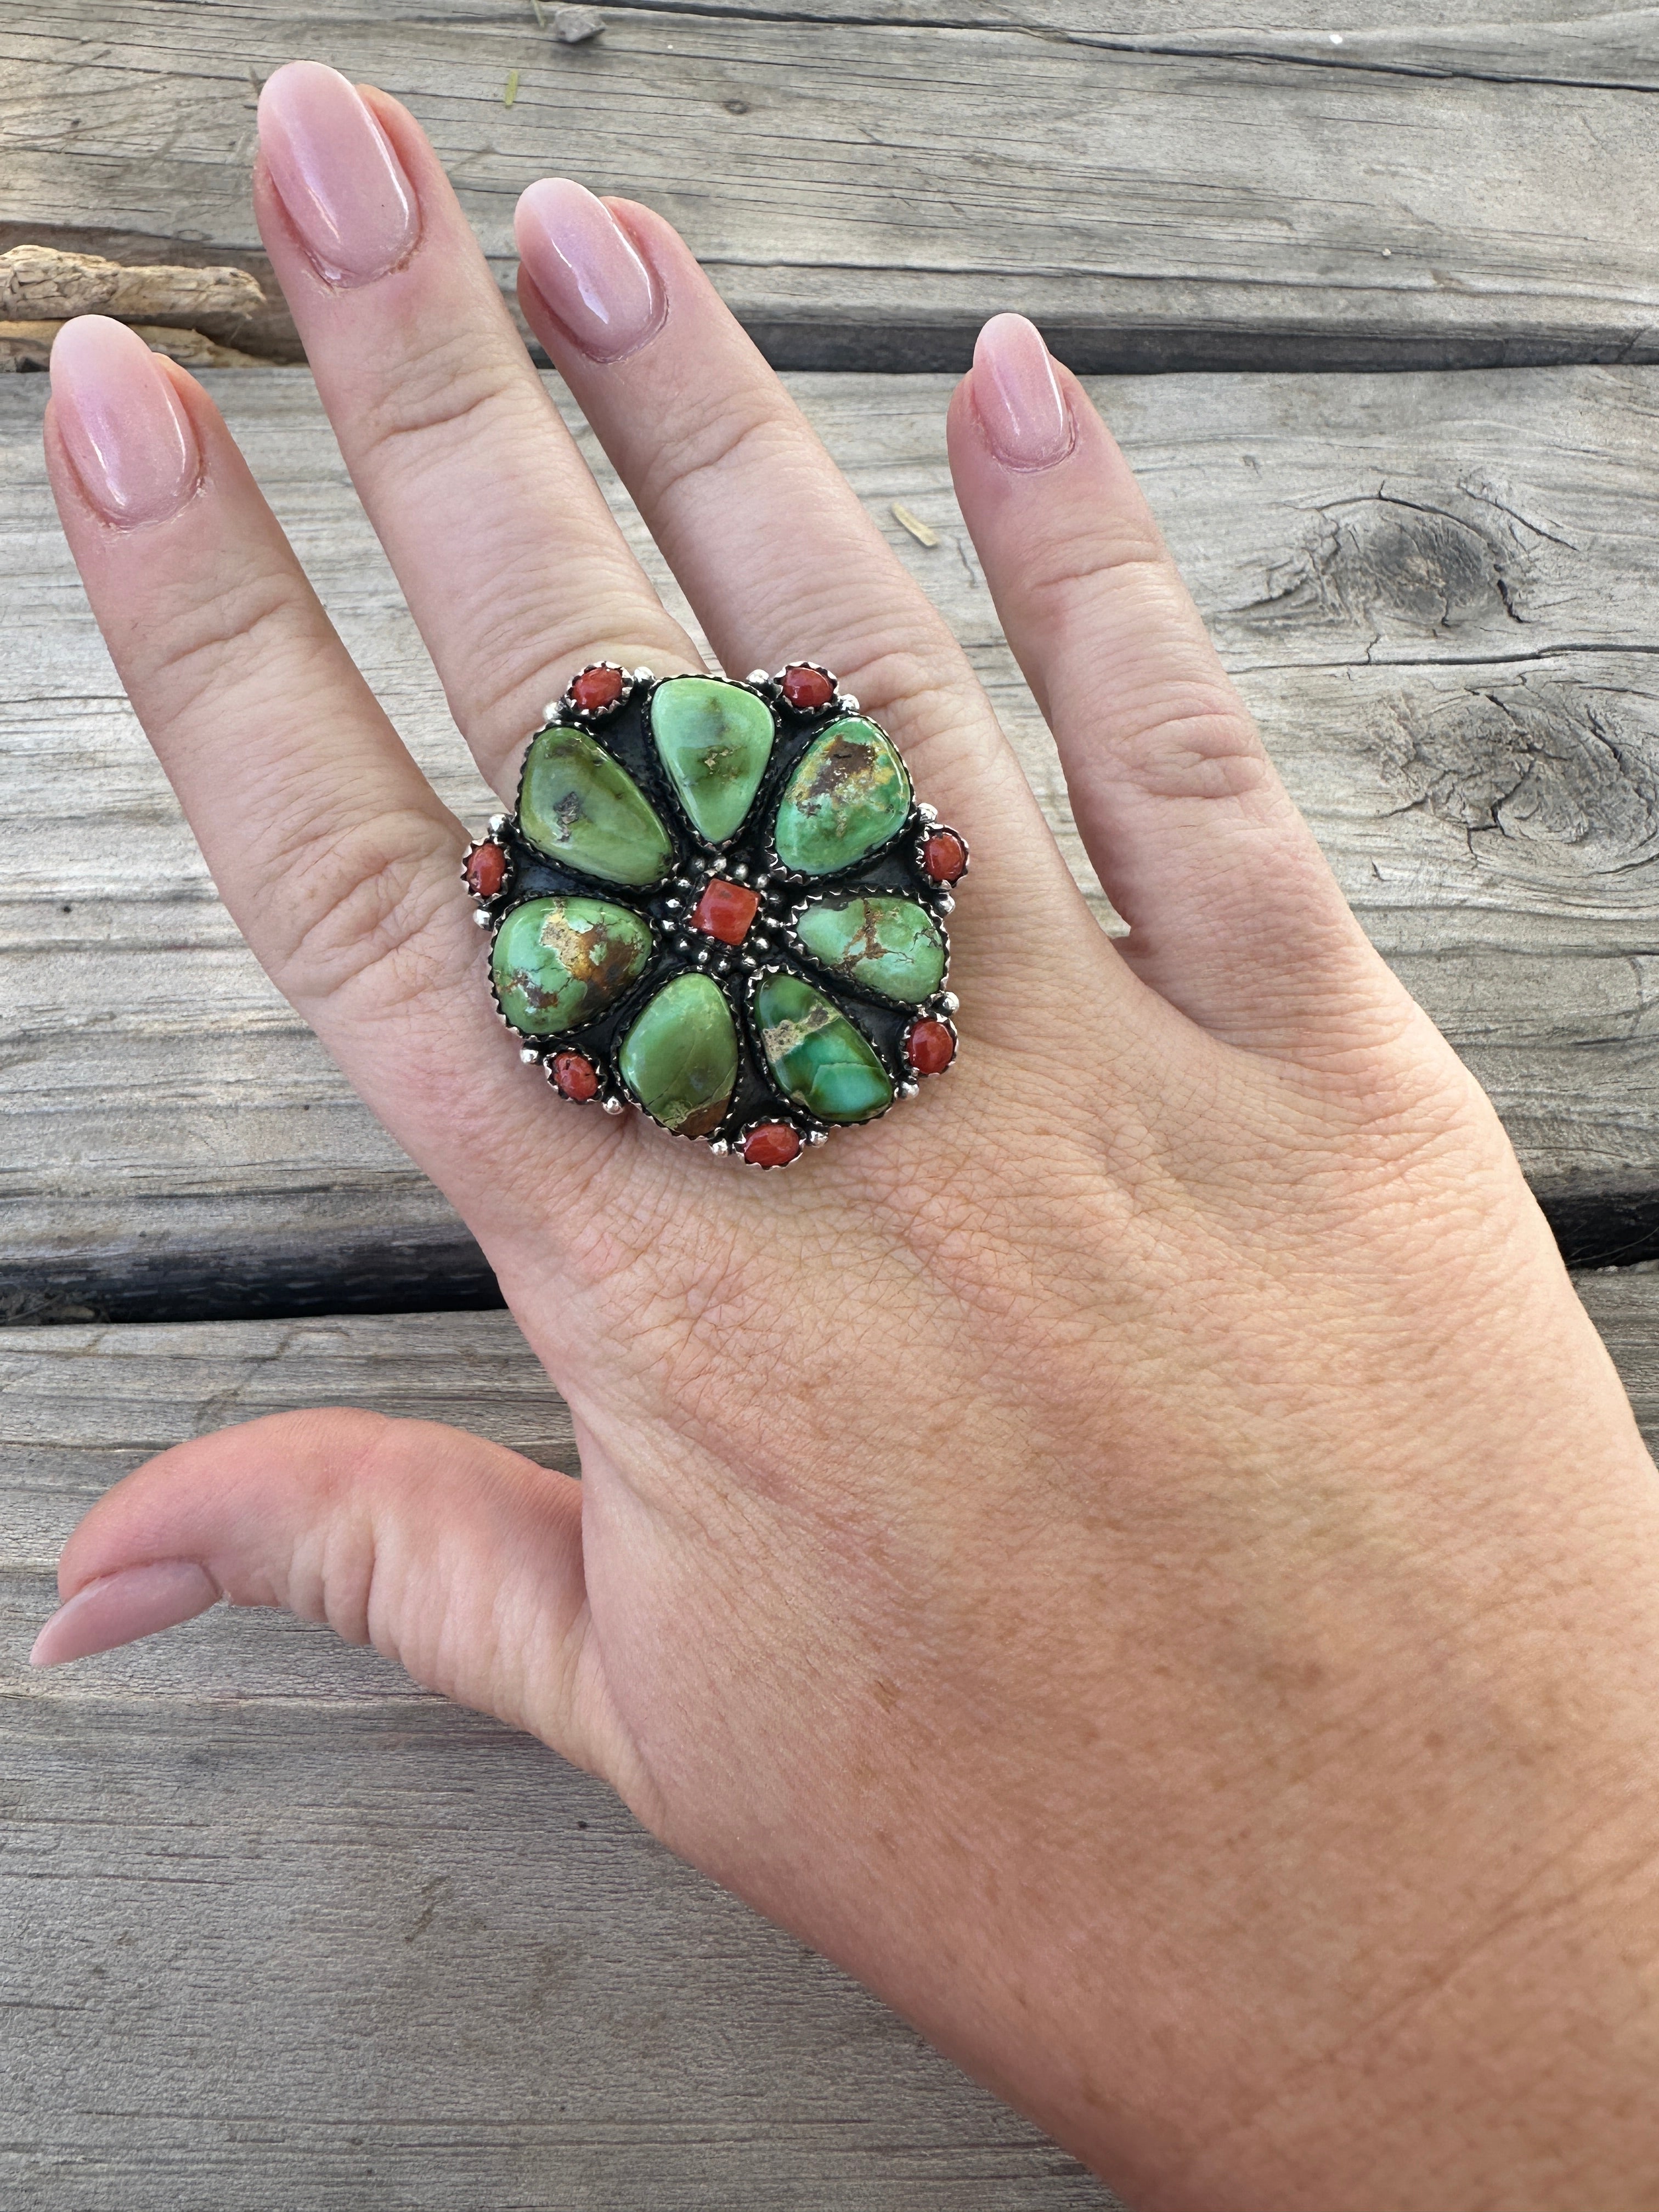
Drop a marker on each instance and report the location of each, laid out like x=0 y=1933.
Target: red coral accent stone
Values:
x=806 y=689
x=575 y=1076
x=772 y=1144
x=931 y=1045
x=486 y=871
x=943 y=856
x=725 y=911
x=597 y=688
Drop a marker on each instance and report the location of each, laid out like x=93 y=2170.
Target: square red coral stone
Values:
x=725 y=911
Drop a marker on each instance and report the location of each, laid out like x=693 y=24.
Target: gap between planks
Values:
x=866 y=188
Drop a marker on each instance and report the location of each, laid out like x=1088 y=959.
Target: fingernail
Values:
x=587 y=268
x=120 y=1608
x=1019 y=402
x=336 y=173
x=129 y=438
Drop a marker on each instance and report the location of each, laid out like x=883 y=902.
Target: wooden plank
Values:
x=281 y=1930
x=1423 y=187
x=1437 y=592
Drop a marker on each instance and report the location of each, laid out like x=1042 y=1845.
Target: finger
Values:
x=455 y=1557
x=329 y=848
x=512 y=564
x=1234 y=915
x=767 y=539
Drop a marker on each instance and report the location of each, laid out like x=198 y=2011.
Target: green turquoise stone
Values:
x=714 y=739
x=680 y=1057
x=818 y=1058
x=559 y=962
x=849 y=793
x=888 y=945
x=580 y=806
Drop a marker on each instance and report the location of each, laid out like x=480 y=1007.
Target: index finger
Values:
x=333 y=854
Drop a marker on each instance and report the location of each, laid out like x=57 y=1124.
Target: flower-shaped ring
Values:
x=721 y=902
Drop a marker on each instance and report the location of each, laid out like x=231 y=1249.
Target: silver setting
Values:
x=590 y=718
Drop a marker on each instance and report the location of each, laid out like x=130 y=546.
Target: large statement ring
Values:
x=721 y=902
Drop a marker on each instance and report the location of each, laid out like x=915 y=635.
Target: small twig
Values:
x=918 y=529
x=539 y=13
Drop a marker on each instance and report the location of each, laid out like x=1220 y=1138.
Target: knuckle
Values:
x=444 y=394
x=211 y=644
x=705 y=441
x=368 y=905
x=1191 y=743
x=1119 y=556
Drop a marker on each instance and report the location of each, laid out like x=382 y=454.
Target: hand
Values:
x=1140 y=1555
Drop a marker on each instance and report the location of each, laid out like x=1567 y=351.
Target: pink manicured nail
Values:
x=120 y=1608
x=336 y=173
x=129 y=438
x=587 y=268
x=1020 y=404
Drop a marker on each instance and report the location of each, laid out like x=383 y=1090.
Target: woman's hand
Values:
x=1140 y=1555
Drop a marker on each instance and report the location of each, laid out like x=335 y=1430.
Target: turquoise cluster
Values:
x=560 y=962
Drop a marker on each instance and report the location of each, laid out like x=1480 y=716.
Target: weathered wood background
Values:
x=1392 y=184
x=274 y=1929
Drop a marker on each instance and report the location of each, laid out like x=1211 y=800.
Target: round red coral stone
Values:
x=772 y=1145
x=806 y=689
x=597 y=688
x=486 y=871
x=725 y=910
x=575 y=1076
x=943 y=855
x=931 y=1045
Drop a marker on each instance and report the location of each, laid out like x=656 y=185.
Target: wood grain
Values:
x=1425 y=187
x=281 y=1929
x=1437 y=592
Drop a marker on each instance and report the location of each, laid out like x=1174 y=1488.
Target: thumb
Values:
x=457 y=1557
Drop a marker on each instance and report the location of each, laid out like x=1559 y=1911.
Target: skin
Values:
x=1140 y=1555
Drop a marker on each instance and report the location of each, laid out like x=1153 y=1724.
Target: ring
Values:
x=722 y=903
